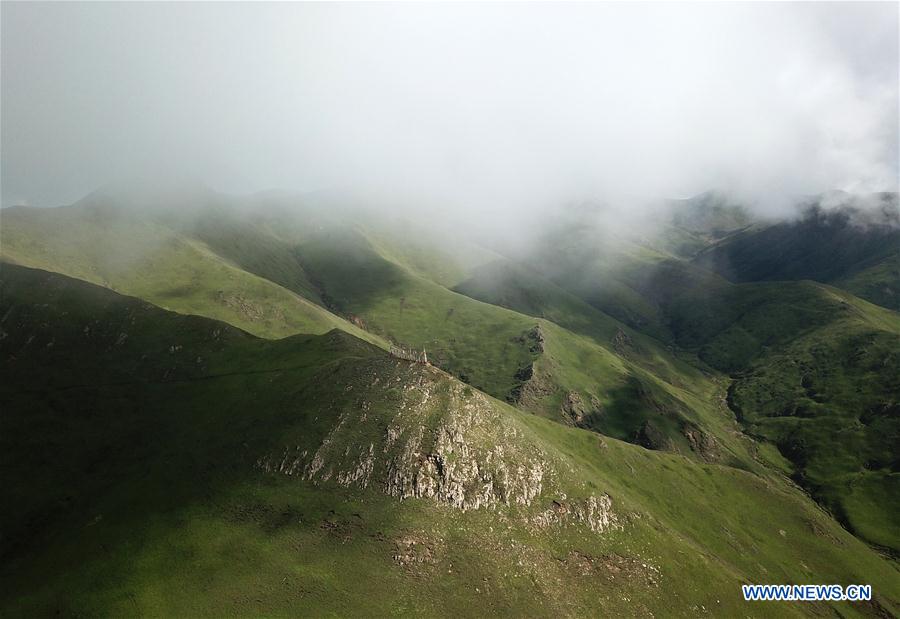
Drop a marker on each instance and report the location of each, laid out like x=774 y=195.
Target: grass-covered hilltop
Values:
x=200 y=414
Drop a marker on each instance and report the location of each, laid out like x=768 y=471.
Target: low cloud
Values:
x=488 y=111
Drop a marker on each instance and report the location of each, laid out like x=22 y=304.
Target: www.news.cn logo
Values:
x=807 y=593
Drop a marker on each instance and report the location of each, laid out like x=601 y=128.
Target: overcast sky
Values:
x=467 y=105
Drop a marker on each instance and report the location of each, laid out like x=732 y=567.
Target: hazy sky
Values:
x=465 y=105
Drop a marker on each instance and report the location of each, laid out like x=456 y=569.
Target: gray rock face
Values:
x=573 y=408
x=461 y=475
x=447 y=443
x=705 y=445
x=534 y=339
x=594 y=512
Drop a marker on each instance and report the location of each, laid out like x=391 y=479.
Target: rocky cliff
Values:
x=415 y=432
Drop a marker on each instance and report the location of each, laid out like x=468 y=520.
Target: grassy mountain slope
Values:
x=778 y=340
x=481 y=343
x=303 y=251
x=189 y=468
x=621 y=277
x=566 y=360
x=132 y=254
x=690 y=225
x=775 y=339
x=549 y=347
x=831 y=401
x=879 y=283
x=380 y=279
x=647 y=394
x=267 y=270
x=508 y=285
x=846 y=245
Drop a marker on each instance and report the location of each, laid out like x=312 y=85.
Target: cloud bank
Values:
x=479 y=108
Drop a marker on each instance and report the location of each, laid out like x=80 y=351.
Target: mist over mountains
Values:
x=448 y=309
x=484 y=110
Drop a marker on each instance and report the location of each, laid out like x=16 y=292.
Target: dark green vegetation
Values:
x=200 y=469
x=815 y=368
x=165 y=468
x=855 y=247
x=816 y=374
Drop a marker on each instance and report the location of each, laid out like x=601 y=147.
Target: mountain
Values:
x=853 y=243
x=171 y=464
x=811 y=369
x=693 y=223
x=275 y=265
x=618 y=356
x=136 y=253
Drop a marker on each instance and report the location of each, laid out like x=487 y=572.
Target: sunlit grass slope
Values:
x=129 y=252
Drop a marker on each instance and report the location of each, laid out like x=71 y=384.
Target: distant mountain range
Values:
x=853 y=245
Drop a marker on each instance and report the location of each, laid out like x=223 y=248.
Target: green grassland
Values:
x=621 y=382
x=776 y=339
x=132 y=254
x=830 y=401
x=145 y=454
x=634 y=380
x=480 y=343
x=879 y=283
x=257 y=266
x=623 y=337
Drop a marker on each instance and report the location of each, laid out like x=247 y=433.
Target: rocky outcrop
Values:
x=534 y=339
x=576 y=412
x=573 y=408
x=594 y=512
x=532 y=388
x=443 y=442
x=471 y=458
x=703 y=444
x=457 y=472
x=418 y=551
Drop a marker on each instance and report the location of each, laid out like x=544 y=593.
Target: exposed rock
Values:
x=573 y=408
x=816 y=527
x=242 y=305
x=443 y=442
x=703 y=444
x=462 y=472
x=534 y=339
x=362 y=472
x=455 y=463
x=358 y=321
x=418 y=551
x=576 y=412
x=614 y=568
x=525 y=373
x=594 y=512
